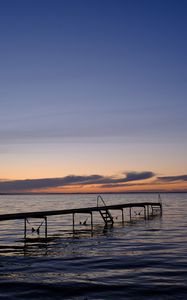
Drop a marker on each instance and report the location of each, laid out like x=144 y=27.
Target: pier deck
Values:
x=42 y=214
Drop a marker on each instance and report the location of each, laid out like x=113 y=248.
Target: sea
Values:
x=136 y=259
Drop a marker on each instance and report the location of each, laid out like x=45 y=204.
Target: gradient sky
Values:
x=92 y=87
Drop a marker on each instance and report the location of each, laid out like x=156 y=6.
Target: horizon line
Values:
x=95 y=193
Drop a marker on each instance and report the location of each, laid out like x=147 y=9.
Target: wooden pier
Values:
x=105 y=211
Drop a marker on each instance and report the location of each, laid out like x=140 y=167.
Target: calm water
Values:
x=137 y=260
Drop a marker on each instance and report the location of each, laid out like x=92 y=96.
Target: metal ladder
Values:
x=104 y=212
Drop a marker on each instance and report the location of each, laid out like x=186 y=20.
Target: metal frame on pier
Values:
x=149 y=208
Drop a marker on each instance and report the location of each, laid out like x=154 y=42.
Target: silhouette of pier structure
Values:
x=148 y=209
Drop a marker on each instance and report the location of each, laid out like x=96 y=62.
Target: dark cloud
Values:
x=129 y=176
x=133 y=176
x=44 y=183
x=30 y=184
x=173 y=178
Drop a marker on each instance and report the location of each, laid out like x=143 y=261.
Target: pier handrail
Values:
x=99 y=198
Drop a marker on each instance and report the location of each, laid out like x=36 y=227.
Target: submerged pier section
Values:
x=149 y=209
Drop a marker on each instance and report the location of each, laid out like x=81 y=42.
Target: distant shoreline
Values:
x=94 y=193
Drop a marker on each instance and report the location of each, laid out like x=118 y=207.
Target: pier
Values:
x=105 y=211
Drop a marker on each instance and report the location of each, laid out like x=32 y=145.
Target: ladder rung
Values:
x=106 y=215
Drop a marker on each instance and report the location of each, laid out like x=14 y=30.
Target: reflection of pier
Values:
x=148 y=209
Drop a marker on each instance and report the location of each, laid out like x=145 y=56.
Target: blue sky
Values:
x=107 y=78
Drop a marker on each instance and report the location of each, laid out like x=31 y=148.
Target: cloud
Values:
x=71 y=180
x=133 y=176
x=173 y=178
x=30 y=184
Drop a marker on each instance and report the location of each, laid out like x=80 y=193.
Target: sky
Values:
x=93 y=95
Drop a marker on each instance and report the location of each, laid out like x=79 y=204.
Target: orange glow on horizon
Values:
x=138 y=187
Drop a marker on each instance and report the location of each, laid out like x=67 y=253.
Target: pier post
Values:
x=152 y=210
x=45 y=227
x=130 y=213
x=73 y=222
x=144 y=212
x=25 y=228
x=91 y=214
x=148 y=212
x=122 y=215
